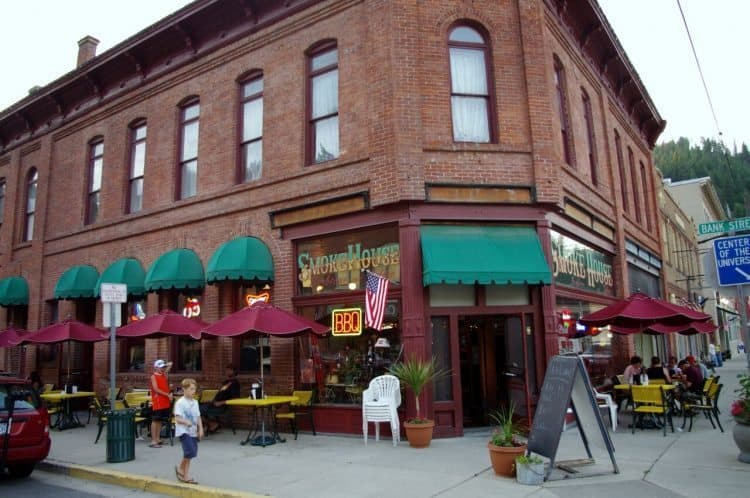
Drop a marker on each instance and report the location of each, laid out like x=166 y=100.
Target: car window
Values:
x=28 y=402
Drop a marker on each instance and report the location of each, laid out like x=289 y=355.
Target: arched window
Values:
x=633 y=179
x=2 y=200
x=590 y=135
x=32 y=181
x=137 y=166
x=96 y=164
x=188 y=165
x=471 y=95
x=561 y=96
x=251 y=141
x=646 y=203
x=323 y=107
x=621 y=170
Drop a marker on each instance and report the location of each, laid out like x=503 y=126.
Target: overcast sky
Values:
x=40 y=44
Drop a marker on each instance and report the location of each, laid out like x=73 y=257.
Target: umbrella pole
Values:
x=262 y=367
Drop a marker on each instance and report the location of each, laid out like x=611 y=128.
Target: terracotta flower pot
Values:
x=503 y=458
x=419 y=434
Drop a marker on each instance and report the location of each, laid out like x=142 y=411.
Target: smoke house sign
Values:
x=577 y=265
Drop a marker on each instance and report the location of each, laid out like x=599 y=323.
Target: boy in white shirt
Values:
x=188 y=428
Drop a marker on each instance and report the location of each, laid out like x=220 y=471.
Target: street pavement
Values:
x=698 y=463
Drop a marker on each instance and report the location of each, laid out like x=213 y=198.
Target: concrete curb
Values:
x=140 y=482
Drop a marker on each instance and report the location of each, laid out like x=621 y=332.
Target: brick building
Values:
x=492 y=159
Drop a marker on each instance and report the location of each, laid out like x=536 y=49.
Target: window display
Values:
x=593 y=344
x=344 y=365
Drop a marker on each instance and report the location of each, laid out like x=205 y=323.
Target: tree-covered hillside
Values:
x=729 y=170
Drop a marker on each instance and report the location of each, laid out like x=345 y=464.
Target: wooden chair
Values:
x=709 y=407
x=303 y=407
x=657 y=382
x=47 y=388
x=650 y=401
x=208 y=410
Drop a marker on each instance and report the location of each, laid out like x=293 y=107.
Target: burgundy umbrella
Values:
x=640 y=311
x=67 y=330
x=264 y=318
x=164 y=323
x=11 y=336
x=691 y=328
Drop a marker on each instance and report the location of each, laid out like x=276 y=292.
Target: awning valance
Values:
x=243 y=258
x=128 y=271
x=463 y=254
x=14 y=291
x=77 y=282
x=176 y=269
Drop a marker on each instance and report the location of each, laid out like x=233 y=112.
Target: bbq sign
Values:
x=346 y=322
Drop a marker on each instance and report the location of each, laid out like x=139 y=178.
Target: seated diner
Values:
x=633 y=371
x=658 y=371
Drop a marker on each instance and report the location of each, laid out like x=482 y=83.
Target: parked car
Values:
x=27 y=440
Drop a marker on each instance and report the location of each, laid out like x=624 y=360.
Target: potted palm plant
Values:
x=416 y=373
x=505 y=444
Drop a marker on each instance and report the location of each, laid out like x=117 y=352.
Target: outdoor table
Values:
x=668 y=388
x=262 y=408
x=68 y=419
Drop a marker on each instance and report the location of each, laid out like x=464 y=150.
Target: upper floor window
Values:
x=561 y=98
x=251 y=96
x=633 y=179
x=137 y=166
x=590 y=136
x=646 y=203
x=96 y=163
x=323 y=68
x=188 y=167
x=2 y=199
x=470 y=91
x=32 y=180
x=621 y=170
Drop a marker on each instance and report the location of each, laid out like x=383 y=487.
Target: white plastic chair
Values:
x=604 y=400
x=380 y=402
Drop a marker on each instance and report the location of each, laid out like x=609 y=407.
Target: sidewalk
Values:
x=699 y=463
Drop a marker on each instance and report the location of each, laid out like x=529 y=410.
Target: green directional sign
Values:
x=725 y=226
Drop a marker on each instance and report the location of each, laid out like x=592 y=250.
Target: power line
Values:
x=700 y=71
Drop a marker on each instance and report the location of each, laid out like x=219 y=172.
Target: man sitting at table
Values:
x=693 y=376
x=229 y=389
x=657 y=370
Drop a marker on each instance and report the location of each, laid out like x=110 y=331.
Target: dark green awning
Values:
x=126 y=271
x=243 y=258
x=77 y=282
x=14 y=291
x=453 y=254
x=176 y=269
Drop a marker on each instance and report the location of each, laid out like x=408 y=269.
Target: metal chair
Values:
x=650 y=401
x=302 y=407
x=709 y=407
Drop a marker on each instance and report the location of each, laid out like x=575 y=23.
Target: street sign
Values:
x=725 y=226
x=114 y=293
x=732 y=256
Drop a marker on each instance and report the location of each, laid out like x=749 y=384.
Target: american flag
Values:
x=375 y=295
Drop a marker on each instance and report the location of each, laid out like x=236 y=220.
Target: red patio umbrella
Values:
x=65 y=331
x=164 y=323
x=691 y=328
x=264 y=318
x=640 y=311
x=11 y=336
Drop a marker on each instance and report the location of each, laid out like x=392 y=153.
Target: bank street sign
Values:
x=725 y=226
x=732 y=256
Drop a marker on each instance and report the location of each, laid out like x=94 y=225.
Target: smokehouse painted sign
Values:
x=577 y=265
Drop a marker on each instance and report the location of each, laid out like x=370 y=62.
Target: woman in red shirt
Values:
x=161 y=400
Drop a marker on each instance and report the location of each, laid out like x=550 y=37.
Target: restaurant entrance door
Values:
x=492 y=358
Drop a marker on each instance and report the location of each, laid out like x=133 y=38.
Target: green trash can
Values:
x=120 y=436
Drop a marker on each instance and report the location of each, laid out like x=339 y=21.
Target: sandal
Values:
x=155 y=445
x=179 y=475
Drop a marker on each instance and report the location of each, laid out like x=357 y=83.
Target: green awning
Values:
x=453 y=254
x=126 y=271
x=176 y=269
x=243 y=258
x=77 y=282
x=14 y=291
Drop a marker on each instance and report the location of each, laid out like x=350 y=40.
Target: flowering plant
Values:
x=741 y=406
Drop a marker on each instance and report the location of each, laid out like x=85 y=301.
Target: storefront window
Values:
x=593 y=344
x=188 y=355
x=441 y=350
x=344 y=365
x=132 y=357
x=251 y=350
x=337 y=263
